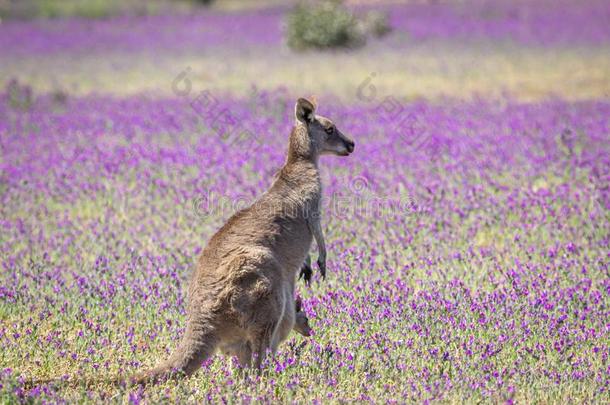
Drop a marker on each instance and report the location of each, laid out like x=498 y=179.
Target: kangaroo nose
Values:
x=350 y=146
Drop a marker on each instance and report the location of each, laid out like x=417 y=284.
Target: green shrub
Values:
x=327 y=24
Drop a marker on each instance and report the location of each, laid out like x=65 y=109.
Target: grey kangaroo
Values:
x=301 y=325
x=241 y=295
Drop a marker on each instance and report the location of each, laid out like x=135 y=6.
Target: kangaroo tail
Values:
x=196 y=346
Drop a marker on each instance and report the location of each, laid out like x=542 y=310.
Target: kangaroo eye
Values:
x=329 y=130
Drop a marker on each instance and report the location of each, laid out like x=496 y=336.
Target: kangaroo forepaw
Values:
x=306 y=273
x=322 y=267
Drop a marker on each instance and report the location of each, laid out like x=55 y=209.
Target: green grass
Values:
x=432 y=72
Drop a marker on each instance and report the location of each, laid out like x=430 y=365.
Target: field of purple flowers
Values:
x=468 y=239
x=543 y=22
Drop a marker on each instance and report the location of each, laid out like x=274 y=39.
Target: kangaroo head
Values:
x=301 y=323
x=323 y=137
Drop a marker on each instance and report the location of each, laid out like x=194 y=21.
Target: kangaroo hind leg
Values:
x=262 y=342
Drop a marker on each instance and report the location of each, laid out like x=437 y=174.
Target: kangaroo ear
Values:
x=312 y=99
x=304 y=110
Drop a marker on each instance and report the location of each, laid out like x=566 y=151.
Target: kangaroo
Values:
x=307 y=271
x=301 y=325
x=241 y=294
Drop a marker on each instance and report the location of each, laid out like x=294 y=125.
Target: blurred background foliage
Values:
x=529 y=50
x=29 y=9
x=32 y=9
x=311 y=24
x=330 y=24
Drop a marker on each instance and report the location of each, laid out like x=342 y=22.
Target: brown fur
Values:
x=301 y=324
x=241 y=296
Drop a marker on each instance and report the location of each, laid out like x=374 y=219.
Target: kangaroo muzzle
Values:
x=349 y=145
